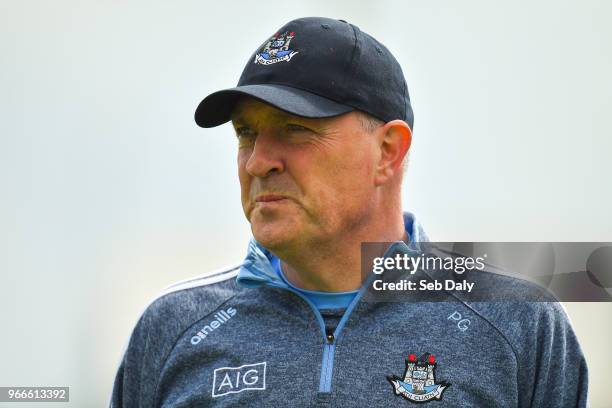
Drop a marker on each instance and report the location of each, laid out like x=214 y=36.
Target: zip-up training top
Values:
x=243 y=337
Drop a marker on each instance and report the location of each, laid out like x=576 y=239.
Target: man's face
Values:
x=303 y=181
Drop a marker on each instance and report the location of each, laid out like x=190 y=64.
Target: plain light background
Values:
x=109 y=191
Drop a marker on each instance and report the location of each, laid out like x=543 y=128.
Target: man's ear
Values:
x=394 y=142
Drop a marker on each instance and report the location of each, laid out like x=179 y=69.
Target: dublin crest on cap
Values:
x=276 y=50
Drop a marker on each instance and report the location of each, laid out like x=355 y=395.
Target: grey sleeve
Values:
x=126 y=387
x=136 y=379
x=153 y=339
x=554 y=372
x=116 y=400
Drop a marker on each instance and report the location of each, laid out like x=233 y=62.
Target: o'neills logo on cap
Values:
x=220 y=318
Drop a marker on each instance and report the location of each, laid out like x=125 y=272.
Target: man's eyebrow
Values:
x=276 y=117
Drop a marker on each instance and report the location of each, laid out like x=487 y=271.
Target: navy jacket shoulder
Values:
x=162 y=323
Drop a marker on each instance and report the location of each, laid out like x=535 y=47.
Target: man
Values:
x=324 y=123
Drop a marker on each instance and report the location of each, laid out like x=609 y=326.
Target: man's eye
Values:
x=297 y=128
x=244 y=131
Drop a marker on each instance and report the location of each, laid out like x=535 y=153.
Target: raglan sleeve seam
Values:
x=501 y=334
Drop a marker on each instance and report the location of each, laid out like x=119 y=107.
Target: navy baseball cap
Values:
x=317 y=67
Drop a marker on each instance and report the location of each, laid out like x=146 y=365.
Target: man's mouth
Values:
x=267 y=198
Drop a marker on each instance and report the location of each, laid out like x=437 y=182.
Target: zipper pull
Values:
x=330 y=338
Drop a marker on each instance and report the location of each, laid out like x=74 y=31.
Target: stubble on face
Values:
x=308 y=187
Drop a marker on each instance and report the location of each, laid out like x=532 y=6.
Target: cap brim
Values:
x=217 y=107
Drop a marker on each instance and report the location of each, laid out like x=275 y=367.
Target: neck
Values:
x=336 y=266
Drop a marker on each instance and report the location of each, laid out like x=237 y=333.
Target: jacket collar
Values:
x=257 y=269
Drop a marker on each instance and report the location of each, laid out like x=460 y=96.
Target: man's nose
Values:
x=265 y=158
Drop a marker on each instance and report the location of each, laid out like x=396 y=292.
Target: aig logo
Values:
x=231 y=380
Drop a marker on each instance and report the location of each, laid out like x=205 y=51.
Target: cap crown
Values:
x=333 y=59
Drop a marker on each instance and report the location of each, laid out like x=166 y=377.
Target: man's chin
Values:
x=272 y=242
x=275 y=229
x=272 y=237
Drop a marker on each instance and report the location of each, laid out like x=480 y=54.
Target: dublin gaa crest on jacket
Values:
x=419 y=382
x=276 y=49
